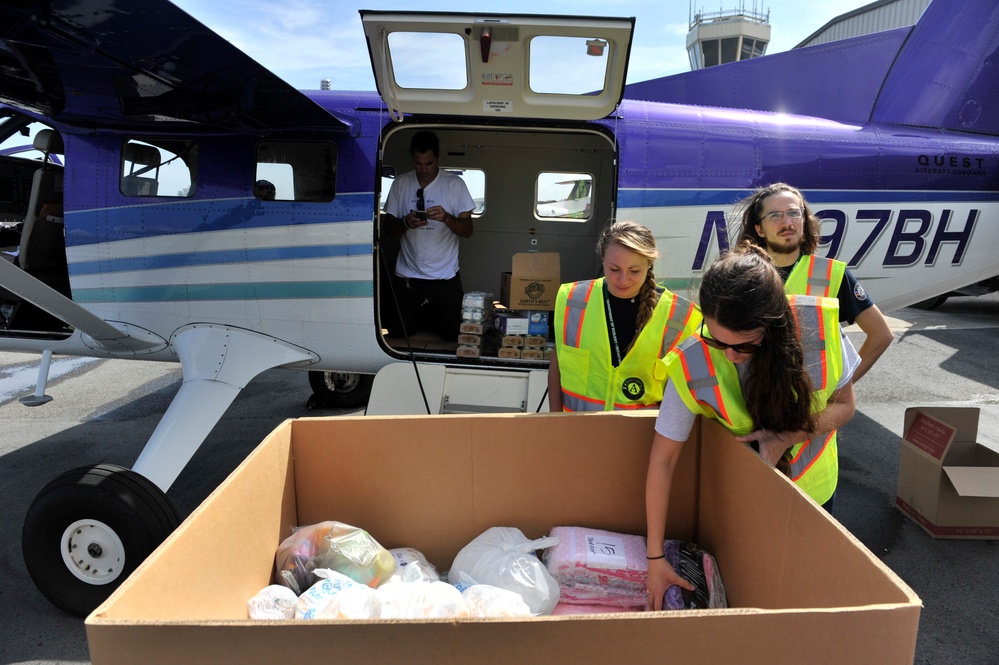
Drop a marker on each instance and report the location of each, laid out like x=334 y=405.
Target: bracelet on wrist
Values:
x=653 y=558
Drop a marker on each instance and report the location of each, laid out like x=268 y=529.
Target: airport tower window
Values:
x=159 y=167
x=295 y=171
x=710 y=52
x=729 y=49
x=564 y=196
x=410 y=51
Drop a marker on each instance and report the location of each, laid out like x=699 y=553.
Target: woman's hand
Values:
x=661 y=577
x=772 y=444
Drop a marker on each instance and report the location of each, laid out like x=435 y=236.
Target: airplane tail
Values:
x=942 y=72
x=947 y=72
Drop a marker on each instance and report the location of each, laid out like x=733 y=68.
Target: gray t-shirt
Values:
x=675 y=420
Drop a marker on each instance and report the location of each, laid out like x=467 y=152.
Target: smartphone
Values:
x=420 y=214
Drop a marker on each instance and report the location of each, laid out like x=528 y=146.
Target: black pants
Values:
x=425 y=304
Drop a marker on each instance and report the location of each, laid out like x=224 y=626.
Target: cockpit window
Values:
x=159 y=167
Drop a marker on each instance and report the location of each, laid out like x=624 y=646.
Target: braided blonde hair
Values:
x=639 y=239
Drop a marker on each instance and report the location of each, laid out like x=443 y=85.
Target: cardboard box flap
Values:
x=974 y=480
x=929 y=435
x=536 y=263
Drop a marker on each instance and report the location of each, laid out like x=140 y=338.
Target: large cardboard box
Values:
x=948 y=483
x=534 y=282
x=801 y=588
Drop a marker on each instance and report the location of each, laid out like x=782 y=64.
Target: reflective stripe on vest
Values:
x=814 y=463
x=679 y=316
x=589 y=381
x=816 y=276
x=575 y=309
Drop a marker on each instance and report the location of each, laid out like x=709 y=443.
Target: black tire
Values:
x=344 y=390
x=930 y=303
x=109 y=517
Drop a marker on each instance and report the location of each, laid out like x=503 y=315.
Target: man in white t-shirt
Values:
x=430 y=209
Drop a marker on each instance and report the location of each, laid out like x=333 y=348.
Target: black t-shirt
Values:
x=624 y=313
x=853 y=299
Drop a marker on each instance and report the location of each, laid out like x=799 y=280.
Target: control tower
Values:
x=727 y=36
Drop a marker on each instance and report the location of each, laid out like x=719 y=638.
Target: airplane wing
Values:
x=63 y=58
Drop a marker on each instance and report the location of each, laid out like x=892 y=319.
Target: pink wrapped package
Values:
x=595 y=567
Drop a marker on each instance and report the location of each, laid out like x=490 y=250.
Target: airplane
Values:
x=143 y=236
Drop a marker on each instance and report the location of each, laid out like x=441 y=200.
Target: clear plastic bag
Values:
x=353 y=552
x=294 y=554
x=504 y=557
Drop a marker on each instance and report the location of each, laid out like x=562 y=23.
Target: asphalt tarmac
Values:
x=103 y=411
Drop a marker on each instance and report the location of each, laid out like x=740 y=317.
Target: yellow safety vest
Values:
x=708 y=383
x=590 y=382
x=815 y=276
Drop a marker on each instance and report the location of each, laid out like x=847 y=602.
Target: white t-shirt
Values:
x=431 y=251
x=675 y=420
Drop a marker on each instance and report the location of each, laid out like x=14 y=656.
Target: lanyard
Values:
x=613 y=329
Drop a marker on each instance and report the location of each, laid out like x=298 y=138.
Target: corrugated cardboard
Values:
x=534 y=282
x=948 y=483
x=801 y=588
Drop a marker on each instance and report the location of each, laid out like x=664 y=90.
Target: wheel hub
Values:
x=93 y=552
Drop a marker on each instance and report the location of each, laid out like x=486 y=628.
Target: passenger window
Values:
x=158 y=167
x=410 y=51
x=475 y=180
x=564 y=196
x=582 y=65
x=296 y=171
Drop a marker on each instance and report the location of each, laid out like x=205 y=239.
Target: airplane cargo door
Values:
x=499 y=65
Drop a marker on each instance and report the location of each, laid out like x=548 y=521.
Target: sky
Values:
x=306 y=41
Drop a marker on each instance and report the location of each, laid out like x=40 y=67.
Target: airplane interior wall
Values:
x=512 y=159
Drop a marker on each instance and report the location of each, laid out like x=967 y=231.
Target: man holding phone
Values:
x=430 y=209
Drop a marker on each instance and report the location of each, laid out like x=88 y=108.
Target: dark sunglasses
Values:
x=420 y=203
x=721 y=346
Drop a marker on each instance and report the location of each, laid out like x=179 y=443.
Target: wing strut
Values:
x=218 y=362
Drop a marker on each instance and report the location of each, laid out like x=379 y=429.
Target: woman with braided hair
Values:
x=612 y=333
x=775 y=370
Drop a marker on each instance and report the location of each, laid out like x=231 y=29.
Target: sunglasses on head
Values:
x=420 y=203
x=721 y=346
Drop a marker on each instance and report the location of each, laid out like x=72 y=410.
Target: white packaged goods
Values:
x=505 y=557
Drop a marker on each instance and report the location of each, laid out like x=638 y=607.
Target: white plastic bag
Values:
x=504 y=557
x=412 y=566
x=336 y=596
x=485 y=600
x=421 y=600
x=272 y=602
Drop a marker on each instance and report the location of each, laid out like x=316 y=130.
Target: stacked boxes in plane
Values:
x=476 y=320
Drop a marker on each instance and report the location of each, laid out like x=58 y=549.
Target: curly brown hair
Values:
x=749 y=211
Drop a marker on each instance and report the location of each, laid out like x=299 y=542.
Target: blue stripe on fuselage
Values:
x=237 y=291
x=217 y=257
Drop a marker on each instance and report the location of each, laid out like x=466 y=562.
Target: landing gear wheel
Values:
x=930 y=303
x=341 y=389
x=88 y=529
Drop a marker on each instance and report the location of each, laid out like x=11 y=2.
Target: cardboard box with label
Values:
x=948 y=483
x=534 y=282
x=801 y=589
